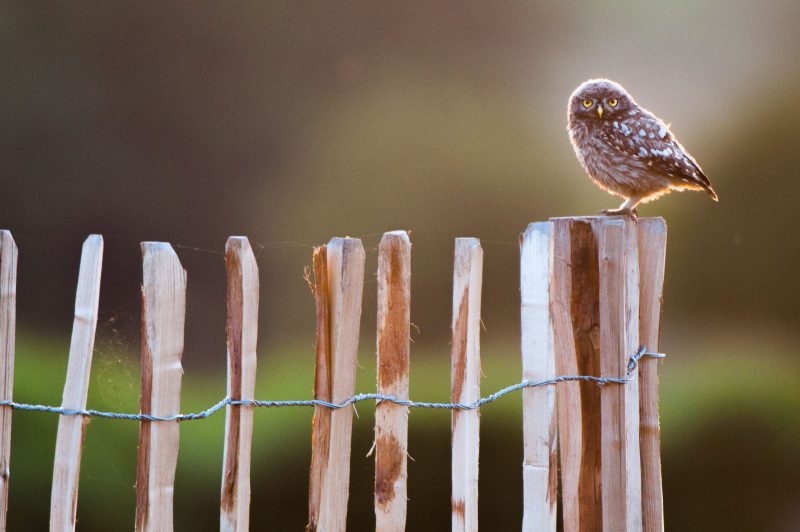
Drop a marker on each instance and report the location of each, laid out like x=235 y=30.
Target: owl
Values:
x=626 y=149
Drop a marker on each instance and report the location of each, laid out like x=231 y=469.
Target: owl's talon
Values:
x=633 y=213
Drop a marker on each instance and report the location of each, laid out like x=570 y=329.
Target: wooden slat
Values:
x=69 y=441
x=391 y=420
x=465 y=382
x=652 y=254
x=8 y=319
x=345 y=267
x=619 y=339
x=163 y=315
x=575 y=307
x=242 y=327
x=321 y=423
x=539 y=469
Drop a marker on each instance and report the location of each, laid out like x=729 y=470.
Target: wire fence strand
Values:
x=633 y=363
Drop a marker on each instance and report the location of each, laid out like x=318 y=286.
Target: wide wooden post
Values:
x=465 y=382
x=242 y=328
x=391 y=420
x=163 y=316
x=8 y=324
x=330 y=461
x=595 y=300
x=69 y=442
x=652 y=254
x=540 y=462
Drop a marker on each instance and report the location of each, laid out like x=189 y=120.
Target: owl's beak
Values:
x=599 y=111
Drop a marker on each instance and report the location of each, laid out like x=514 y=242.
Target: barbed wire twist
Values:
x=630 y=374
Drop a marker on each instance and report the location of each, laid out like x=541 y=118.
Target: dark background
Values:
x=292 y=122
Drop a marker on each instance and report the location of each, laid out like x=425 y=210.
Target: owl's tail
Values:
x=711 y=192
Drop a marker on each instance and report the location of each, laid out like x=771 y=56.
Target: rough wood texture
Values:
x=321 y=424
x=242 y=328
x=539 y=469
x=69 y=441
x=163 y=315
x=345 y=270
x=8 y=320
x=465 y=382
x=576 y=328
x=652 y=255
x=619 y=339
x=391 y=420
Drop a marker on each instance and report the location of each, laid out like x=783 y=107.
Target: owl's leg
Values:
x=628 y=208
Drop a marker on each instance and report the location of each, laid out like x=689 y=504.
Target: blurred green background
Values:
x=292 y=122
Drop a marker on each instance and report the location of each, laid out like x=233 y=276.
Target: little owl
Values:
x=626 y=149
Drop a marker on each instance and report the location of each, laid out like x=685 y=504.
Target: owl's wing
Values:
x=646 y=138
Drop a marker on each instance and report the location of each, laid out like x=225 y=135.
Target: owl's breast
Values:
x=602 y=151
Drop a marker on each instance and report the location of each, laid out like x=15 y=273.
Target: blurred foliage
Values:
x=292 y=122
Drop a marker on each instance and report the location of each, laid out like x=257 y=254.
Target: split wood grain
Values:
x=576 y=329
x=539 y=469
x=345 y=270
x=465 y=382
x=163 y=318
x=393 y=348
x=8 y=320
x=619 y=339
x=321 y=423
x=71 y=429
x=652 y=236
x=242 y=329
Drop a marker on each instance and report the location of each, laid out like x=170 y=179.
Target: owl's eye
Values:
x=587 y=103
x=613 y=102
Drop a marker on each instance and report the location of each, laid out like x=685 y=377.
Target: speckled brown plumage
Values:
x=625 y=149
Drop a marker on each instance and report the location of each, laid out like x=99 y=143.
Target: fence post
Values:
x=619 y=338
x=575 y=303
x=652 y=254
x=539 y=470
x=345 y=283
x=242 y=329
x=163 y=315
x=8 y=321
x=391 y=420
x=69 y=441
x=465 y=382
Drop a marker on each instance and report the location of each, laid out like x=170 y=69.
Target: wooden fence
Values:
x=590 y=295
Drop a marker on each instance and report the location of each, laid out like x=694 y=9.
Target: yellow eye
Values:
x=612 y=102
x=587 y=103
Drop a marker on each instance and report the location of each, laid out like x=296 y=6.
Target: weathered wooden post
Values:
x=595 y=301
x=8 y=324
x=71 y=429
x=339 y=276
x=391 y=420
x=163 y=316
x=465 y=382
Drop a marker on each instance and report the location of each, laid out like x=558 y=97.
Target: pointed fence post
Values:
x=465 y=382
x=163 y=316
x=8 y=321
x=69 y=441
x=652 y=255
x=242 y=273
x=345 y=283
x=540 y=462
x=391 y=420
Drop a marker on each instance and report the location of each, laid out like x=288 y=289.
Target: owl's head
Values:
x=599 y=99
